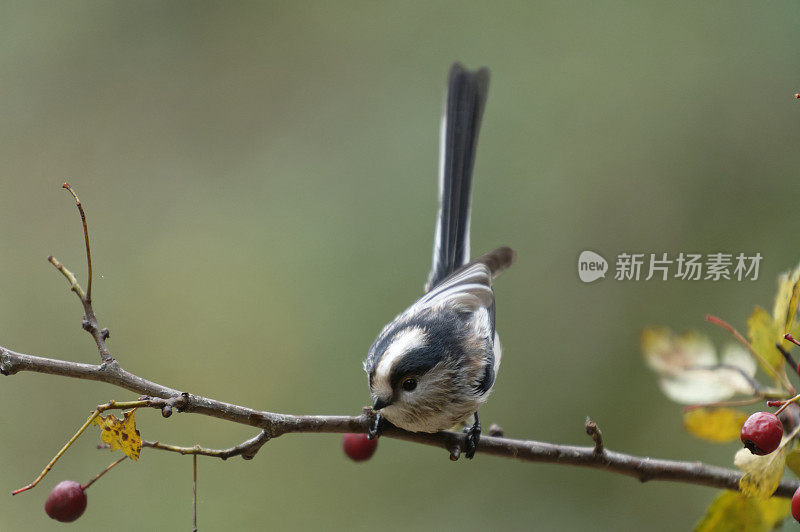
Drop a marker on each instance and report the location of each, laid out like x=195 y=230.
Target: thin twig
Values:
x=101 y=473
x=722 y=404
x=742 y=340
x=246 y=449
x=194 y=493
x=274 y=424
x=73 y=282
x=89 y=323
x=86 y=238
x=58 y=455
x=788 y=357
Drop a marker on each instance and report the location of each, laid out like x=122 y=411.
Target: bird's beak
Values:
x=381 y=403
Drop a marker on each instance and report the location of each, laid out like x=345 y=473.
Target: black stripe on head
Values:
x=415 y=363
x=446 y=331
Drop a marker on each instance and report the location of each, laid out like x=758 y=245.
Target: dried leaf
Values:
x=762 y=474
x=733 y=512
x=719 y=425
x=120 y=433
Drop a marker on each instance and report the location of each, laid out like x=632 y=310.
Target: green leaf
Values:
x=718 y=425
x=734 y=512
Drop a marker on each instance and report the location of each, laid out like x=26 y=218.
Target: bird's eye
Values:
x=409 y=384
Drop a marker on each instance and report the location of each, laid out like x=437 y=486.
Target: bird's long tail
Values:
x=464 y=103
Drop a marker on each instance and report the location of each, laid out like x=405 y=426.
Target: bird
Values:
x=434 y=364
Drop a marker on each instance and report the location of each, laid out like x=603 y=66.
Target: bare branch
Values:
x=274 y=425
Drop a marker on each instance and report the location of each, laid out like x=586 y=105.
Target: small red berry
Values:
x=358 y=447
x=762 y=432
x=796 y=505
x=797 y=96
x=66 y=502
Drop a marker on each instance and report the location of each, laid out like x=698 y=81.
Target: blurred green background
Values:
x=260 y=187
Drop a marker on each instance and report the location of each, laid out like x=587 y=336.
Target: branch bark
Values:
x=274 y=424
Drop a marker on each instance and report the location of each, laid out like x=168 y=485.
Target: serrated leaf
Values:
x=719 y=425
x=763 y=333
x=762 y=474
x=120 y=433
x=733 y=512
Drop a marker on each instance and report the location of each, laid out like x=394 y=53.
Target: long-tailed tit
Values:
x=434 y=365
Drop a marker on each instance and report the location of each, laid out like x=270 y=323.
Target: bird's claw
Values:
x=473 y=437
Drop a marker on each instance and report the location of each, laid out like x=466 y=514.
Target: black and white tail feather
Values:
x=458 y=141
x=435 y=363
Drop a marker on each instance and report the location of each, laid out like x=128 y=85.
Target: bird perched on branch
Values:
x=434 y=365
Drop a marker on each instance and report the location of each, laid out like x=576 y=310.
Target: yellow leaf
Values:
x=775 y=510
x=763 y=332
x=120 y=433
x=762 y=474
x=719 y=425
x=733 y=512
x=785 y=307
x=793 y=461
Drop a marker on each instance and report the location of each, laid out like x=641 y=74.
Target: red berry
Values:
x=66 y=502
x=762 y=433
x=358 y=447
x=796 y=505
